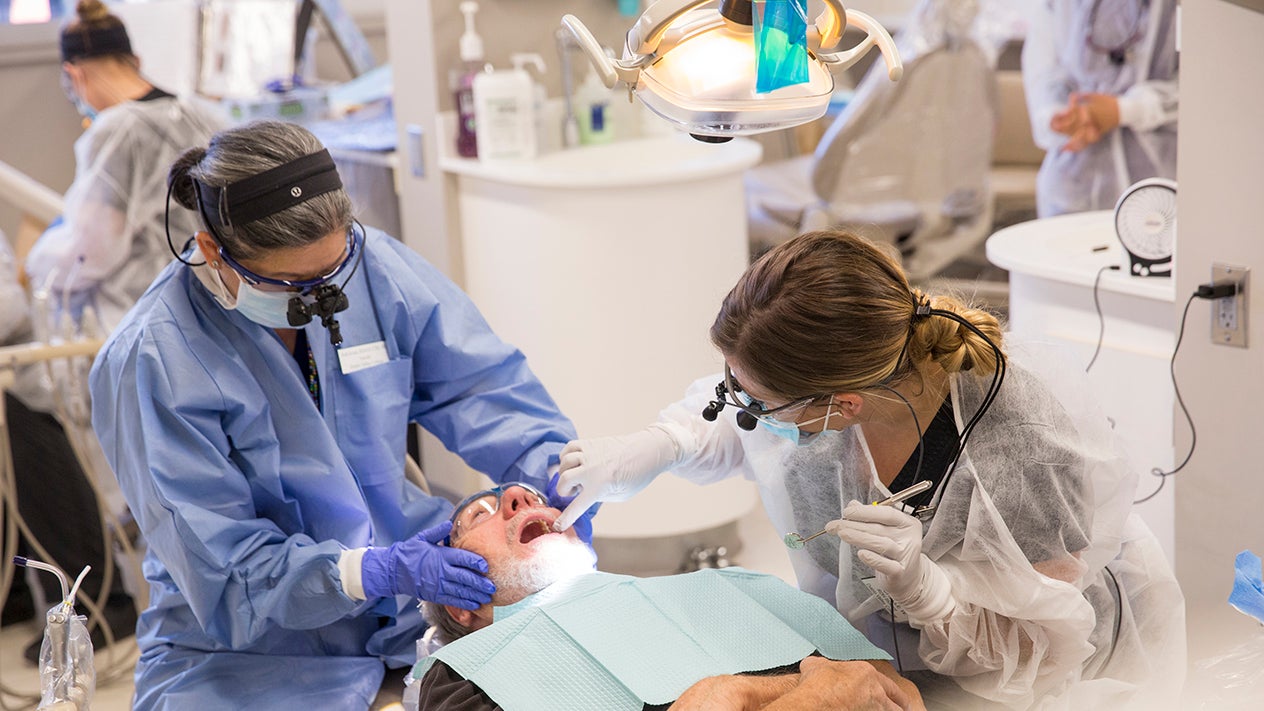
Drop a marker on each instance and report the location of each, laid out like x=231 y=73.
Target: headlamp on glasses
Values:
x=750 y=410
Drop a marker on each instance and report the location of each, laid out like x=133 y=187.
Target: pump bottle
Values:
x=505 y=104
x=462 y=83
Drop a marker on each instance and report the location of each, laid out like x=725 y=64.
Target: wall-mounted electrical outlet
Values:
x=1228 y=315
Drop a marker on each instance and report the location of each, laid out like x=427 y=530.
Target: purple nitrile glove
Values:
x=420 y=568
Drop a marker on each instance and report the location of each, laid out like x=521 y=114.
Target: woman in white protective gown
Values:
x=1021 y=579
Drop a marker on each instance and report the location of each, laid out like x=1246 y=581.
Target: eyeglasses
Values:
x=303 y=285
x=482 y=507
x=742 y=400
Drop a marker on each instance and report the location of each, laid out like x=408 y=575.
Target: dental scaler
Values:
x=794 y=541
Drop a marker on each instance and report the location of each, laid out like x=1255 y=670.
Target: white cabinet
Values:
x=606 y=265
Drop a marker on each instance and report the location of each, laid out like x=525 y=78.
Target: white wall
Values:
x=37 y=123
x=1220 y=173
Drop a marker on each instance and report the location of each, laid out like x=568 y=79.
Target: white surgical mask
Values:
x=266 y=308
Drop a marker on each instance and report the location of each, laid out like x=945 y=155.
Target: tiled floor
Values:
x=761 y=550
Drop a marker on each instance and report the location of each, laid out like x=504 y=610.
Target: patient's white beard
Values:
x=555 y=558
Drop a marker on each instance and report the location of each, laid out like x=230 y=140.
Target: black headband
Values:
x=269 y=192
x=85 y=43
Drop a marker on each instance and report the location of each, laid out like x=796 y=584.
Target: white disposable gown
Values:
x=247 y=493
x=1058 y=60
x=110 y=243
x=1064 y=598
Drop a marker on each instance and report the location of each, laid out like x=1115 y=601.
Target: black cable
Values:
x=895 y=640
x=166 y=226
x=994 y=389
x=1101 y=318
x=1193 y=433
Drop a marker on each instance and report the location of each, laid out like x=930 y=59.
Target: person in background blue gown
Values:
x=265 y=464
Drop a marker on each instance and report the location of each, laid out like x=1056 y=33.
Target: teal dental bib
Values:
x=613 y=642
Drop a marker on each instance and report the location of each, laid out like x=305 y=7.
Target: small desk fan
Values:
x=1145 y=221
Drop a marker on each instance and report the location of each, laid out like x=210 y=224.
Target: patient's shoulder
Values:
x=442 y=689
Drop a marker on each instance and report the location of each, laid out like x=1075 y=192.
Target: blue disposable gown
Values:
x=247 y=494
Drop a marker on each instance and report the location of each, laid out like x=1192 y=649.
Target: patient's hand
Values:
x=734 y=693
x=847 y=686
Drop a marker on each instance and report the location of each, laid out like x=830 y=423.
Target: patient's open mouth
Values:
x=533 y=530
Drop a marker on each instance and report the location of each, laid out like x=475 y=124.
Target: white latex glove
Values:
x=890 y=542
x=612 y=468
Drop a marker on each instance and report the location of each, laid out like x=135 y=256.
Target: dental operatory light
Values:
x=707 y=69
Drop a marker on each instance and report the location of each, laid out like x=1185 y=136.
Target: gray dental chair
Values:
x=906 y=162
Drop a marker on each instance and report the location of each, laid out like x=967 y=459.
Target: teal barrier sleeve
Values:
x=781 y=43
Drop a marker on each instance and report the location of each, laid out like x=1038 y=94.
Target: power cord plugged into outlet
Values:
x=1222 y=288
x=1217 y=290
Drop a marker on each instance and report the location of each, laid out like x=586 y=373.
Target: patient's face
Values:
x=523 y=553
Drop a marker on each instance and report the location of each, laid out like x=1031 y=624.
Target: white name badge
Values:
x=361 y=357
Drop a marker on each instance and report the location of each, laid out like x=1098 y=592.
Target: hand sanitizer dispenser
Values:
x=504 y=106
x=462 y=81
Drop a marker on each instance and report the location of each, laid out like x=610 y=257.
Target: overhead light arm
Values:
x=875 y=35
x=610 y=71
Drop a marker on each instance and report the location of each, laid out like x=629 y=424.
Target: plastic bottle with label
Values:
x=505 y=110
x=592 y=104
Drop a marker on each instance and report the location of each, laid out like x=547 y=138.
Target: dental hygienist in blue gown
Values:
x=254 y=405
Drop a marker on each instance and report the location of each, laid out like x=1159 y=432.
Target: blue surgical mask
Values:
x=84 y=109
x=266 y=308
x=790 y=430
x=785 y=430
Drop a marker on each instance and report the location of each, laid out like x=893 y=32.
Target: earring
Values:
x=215 y=264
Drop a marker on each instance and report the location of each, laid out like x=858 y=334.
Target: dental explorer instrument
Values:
x=794 y=541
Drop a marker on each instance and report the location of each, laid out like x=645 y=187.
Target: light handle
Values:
x=875 y=35
x=609 y=71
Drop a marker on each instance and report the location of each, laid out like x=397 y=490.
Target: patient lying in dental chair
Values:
x=568 y=637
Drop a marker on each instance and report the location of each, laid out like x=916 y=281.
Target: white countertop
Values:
x=1071 y=249
x=659 y=160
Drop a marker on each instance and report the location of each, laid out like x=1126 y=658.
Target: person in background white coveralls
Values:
x=1101 y=84
x=111 y=242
